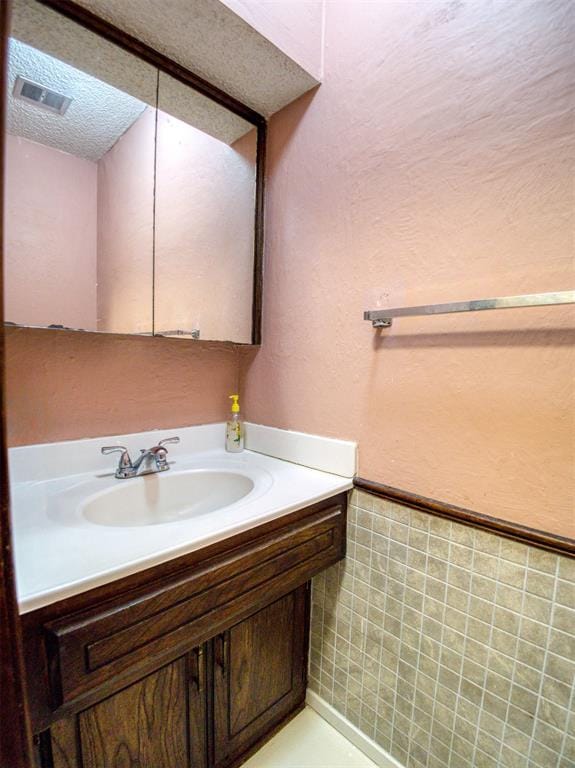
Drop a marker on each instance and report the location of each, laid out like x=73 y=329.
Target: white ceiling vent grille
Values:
x=40 y=96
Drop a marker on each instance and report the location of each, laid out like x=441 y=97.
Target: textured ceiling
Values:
x=98 y=115
x=48 y=31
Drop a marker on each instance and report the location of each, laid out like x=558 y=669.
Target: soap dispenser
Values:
x=235 y=428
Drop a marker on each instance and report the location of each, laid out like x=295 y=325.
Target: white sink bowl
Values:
x=168 y=497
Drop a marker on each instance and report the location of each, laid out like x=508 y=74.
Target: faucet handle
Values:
x=125 y=460
x=113 y=449
x=169 y=440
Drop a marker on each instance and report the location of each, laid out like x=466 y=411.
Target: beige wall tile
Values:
x=448 y=645
x=567 y=569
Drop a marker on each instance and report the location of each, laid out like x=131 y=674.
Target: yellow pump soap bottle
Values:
x=235 y=428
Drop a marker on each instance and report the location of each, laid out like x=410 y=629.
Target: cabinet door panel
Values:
x=158 y=722
x=144 y=725
x=259 y=675
x=260 y=665
x=64 y=744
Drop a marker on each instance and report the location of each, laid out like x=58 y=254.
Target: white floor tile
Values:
x=308 y=741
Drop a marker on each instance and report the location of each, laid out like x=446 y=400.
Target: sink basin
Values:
x=165 y=498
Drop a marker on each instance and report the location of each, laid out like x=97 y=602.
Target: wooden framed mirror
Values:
x=134 y=192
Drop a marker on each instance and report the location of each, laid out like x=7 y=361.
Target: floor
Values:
x=308 y=741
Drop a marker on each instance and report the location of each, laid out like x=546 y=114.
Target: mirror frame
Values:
x=113 y=34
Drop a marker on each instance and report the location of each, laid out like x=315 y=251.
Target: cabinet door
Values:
x=158 y=722
x=259 y=675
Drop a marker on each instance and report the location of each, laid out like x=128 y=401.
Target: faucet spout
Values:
x=151 y=460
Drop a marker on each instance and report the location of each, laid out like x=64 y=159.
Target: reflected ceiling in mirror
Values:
x=99 y=113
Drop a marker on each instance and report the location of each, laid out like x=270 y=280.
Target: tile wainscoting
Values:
x=445 y=644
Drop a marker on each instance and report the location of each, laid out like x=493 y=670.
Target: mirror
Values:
x=79 y=214
x=205 y=217
x=131 y=197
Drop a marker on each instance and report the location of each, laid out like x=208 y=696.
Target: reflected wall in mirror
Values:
x=79 y=227
x=205 y=217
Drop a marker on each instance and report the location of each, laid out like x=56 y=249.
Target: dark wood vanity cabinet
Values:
x=207 y=708
x=191 y=664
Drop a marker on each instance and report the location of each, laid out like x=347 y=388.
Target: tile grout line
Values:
x=401 y=635
x=563 y=747
x=545 y=659
x=465 y=634
x=477 y=550
x=436 y=679
x=521 y=617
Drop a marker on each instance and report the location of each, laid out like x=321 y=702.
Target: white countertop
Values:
x=60 y=553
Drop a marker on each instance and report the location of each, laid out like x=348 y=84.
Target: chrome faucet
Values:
x=150 y=460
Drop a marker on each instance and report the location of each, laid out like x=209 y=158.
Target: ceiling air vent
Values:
x=42 y=97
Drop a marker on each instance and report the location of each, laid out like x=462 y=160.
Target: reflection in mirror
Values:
x=205 y=217
x=79 y=211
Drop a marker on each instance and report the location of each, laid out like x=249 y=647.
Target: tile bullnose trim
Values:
x=537 y=538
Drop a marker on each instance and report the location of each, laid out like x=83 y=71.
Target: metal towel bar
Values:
x=382 y=318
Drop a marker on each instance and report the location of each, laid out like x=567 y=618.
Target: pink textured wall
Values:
x=205 y=202
x=126 y=230
x=432 y=164
x=62 y=385
x=50 y=221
